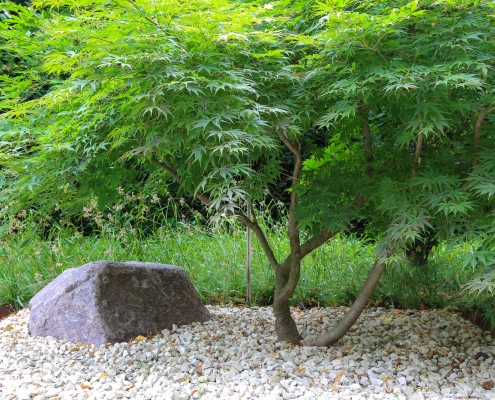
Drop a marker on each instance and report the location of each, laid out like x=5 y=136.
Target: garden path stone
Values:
x=109 y=302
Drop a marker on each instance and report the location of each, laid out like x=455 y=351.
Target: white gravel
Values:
x=389 y=354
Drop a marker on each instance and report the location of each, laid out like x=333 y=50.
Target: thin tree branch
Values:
x=316 y=241
x=293 y=229
x=251 y=223
x=260 y=235
x=417 y=155
x=145 y=16
x=327 y=339
x=322 y=236
x=295 y=149
x=364 y=111
x=477 y=130
x=265 y=245
x=364 y=46
x=167 y=166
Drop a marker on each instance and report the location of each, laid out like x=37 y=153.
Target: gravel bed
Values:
x=389 y=354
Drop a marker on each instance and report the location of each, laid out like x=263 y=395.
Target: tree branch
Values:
x=293 y=229
x=364 y=111
x=292 y=264
x=477 y=130
x=292 y=267
x=321 y=237
x=167 y=166
x=316 y=241
x=417 y=155
x=260 y=235
x=365 y=46
x=327 y=339
x=251 y=223
x=295 y=149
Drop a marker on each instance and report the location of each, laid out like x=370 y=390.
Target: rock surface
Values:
x=389 y=354
x=109 y=302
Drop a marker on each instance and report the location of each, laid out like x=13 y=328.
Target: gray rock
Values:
x=402 y=380
x=109 y=302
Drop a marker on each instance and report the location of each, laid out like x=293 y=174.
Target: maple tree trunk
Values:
x=338 y=331
x=285 y=326
x=287 y=276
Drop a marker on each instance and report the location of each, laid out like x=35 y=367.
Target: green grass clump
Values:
x=215 y=261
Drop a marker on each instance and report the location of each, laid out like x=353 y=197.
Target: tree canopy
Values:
x=384 y=109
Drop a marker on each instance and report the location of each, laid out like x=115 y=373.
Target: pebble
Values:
x=389 y=354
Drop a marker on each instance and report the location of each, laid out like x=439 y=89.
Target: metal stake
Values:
x=248 y=258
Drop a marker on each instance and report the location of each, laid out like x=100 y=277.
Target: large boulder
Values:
x=109 y=302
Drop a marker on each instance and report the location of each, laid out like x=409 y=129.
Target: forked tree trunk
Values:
x=337 y=332
x=285 y=326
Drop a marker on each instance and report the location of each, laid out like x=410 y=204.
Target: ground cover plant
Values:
x=365 y=111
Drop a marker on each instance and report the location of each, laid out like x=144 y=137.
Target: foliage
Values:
x=202 y=88
x=416 y=79
x=166 y=81
x=377 y=111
